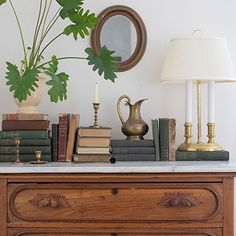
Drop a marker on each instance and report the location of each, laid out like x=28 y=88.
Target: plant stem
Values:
x=55 y=38
x=36 y=28
x=37 y=32
x=21 y=33
x=61 y=58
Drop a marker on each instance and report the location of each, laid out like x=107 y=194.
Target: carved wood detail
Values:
x=50 y=200
x=179 y=200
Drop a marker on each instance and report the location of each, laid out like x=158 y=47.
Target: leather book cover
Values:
x=26 y=125
x=155 y=135
x=73 y=126
x=172 y=135
x=55 y=130
x=164 y=139
x=62 y=135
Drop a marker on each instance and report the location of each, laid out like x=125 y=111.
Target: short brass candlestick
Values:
x=96 y=108
x=17 y=143
x=38 y=156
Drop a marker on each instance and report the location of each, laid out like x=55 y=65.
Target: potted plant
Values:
x=23 y=81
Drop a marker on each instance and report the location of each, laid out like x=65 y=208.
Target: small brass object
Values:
x=96 y=108
x=17 y=143
x=134 y=128
x=38 y=156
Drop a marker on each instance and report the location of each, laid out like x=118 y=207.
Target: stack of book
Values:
x=64 y=137
x=93 y=145
x=133 y=150
x=164 y=136
x=33 y=131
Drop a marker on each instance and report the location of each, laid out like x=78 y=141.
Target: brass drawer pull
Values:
x=114 y=191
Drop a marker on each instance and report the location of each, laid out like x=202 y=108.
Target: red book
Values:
x=64 y=119
x=25 y=125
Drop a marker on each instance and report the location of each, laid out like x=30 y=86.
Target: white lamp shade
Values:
x=198 y=59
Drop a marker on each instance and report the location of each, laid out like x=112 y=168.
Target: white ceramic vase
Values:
x=30 y=105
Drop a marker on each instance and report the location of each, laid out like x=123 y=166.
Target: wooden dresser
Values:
x=125 y=199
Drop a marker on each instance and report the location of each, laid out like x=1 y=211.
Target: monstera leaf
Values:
x=2 y=2
x=58 y=82
x=83 y=23
x=105 y=63
x=69 y=7
x=21 y=85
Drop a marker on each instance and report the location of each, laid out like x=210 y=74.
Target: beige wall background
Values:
x=164 y=19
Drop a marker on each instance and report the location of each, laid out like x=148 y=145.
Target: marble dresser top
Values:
x=122 y=167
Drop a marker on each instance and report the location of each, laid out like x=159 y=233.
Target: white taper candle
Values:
x=211 y=101
x=96 y=96
x=188 y=101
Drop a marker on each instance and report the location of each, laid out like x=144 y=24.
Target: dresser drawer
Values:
x=115 y=202
x=74 y=232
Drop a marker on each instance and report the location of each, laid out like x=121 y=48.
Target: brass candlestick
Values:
x=96 y=108
x=38 y=156
x=17 y=143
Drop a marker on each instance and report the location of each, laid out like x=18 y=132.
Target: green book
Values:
x=24 y=134
x=23 y=158
x=26 y=142
x=164 y=139
x=202 y=156
x=25 y=149
x=155 y=134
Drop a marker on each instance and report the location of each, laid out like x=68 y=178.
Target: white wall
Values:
x=164 y=20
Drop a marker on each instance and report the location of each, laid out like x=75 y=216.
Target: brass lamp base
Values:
x=199 y=146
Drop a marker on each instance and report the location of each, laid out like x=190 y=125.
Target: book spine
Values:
x=164 y=139
x=202 y=156
x=133 y=150
x=23 y=158
x=55 y=128
x=155 y=133
x=131 y=143
x=24 y=116
x=24 y=134
x=62 y=136
x=172 y=135
x=92 y=158
x=74 y=120
x=25 y=149
x=23 y=125
x=26 y=142
x=135 y=157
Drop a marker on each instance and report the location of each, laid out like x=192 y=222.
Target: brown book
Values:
x=93 y=150
x=93 y=132
x=62 y=135
x=73 y=125
x=24 y=116
x=81 y=158
x=172 y=135
x=26 y=125
x=93 y=142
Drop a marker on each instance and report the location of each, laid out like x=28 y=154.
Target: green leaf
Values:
x=105 y=63
x=58 y=82
x=21 y=85
x=69 y=7
x=83 y=23
x=2 y=2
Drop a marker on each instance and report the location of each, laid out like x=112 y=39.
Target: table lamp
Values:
x=196 y=60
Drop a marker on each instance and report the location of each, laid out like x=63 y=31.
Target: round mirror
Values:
x=122 y=30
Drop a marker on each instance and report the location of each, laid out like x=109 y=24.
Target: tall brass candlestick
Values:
x=96 y=108
x=17 y=143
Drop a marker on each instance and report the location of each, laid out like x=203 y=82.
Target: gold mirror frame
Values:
x=139 y=25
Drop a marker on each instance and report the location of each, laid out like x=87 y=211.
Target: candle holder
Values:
x=17 y=143
x=38 y=156
x=96 y=108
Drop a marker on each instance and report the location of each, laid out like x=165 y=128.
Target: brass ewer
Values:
x=134 y=128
